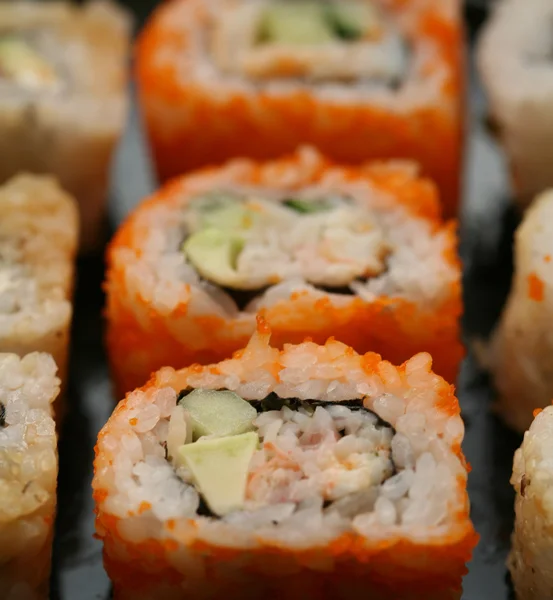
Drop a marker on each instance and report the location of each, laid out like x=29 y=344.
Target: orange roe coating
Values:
x=536 y=287
x=397 y=328
x=191 y=125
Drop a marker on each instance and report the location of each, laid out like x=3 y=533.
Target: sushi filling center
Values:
x=250 y=455
x=22 y=64
x=320 y=40
x=248 y=242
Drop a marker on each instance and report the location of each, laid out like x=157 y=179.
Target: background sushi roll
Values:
x=359 y=79
x=532 y=550
x=515 y=65
x=358 y=253
x=28 y=474
x=38 y=241
x=312 y=472
x=63 y=101
x=520 y=353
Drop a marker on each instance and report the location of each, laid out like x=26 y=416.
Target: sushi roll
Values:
x=38 y=240
x=532 y=548
x=28 y=474
x=359 y=253
x=63 y=97
x=308 y=472
x=358 y=79
x=519 y=356
x=514 y=61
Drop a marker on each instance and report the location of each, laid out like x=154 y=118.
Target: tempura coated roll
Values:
x=63 y=97
x=38 y=241
x=522 y=345
x=514 y=61
x=358 y=79
x=28 y=474
x=311 y=472
x=357 y=253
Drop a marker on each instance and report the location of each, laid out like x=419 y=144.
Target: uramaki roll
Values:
x=63 y=97
x=521 y=348
x=28 y=474
x=311 y=472
x=532 y=552
x=359 y=79
x=358 y=253
x=38 y=241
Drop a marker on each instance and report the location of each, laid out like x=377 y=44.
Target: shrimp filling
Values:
x=318 y=40
x=251 y=241
x=248 y=455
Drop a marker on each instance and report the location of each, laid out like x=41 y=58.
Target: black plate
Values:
x=488 y=225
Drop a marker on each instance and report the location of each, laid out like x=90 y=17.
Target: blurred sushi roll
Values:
x=358 y=79
x=28 y=474
x=514 y=60
x=38 y=241
x=357 y=253
x=532 y=549
x=311 y=472
x=63 y=104
x=521 y=348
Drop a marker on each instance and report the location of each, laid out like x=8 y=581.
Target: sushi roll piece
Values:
x=359 y=253
x=532 y=548
x=38 y=241
x=28 y=474
x=514 y=61
x=519 y=356
x=63 y=100
x=308 y=472
x=358 y=79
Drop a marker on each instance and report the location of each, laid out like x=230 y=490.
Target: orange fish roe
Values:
x=536 y=287
x=193 y=121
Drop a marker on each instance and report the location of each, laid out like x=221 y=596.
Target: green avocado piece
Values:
x=350 y=20
x=218 y=412
x=220 y=469
x=307 y=207
x=224 y=212
x=296 y=22
x=214 y=254
x=22 y=64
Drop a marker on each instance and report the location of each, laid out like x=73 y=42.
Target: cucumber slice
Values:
x=224 y=212
x=351 y=20
x=22 y=64
x=296 y=22
x=214 y=254
x=217 y=412
x=220 y=469
x=307 y=207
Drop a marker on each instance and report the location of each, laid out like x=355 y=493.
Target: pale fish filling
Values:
x=249 y=241
x=272 y=458
x=318 y=40
x=25 y=64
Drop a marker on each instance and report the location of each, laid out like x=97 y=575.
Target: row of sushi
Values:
x=202 y=479
x=202 y=483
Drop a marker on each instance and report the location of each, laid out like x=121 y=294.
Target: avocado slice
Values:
x=20 y=63
x=351 y=20
x=224 y=212
x=218 y=412
x=307 y=207
x=295 y=22
x=214 y=254
x=220 y=469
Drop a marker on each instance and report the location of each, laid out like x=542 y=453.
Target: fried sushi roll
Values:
x=63 y=97
x=38 y=241
x=307 y=472
x=532 y=549
x=358 y=79
x=514 y=61
x=357 y=253
x=28 y=474
x=519 y=357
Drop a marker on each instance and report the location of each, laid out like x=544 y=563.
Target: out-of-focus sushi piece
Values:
x=357 y=253
x=532 y=551
x=514 y=61
x=63 y=97
x=520 y=353
x=28 y=474
x=358 y=79
x=38 y=242
x=312 y=472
